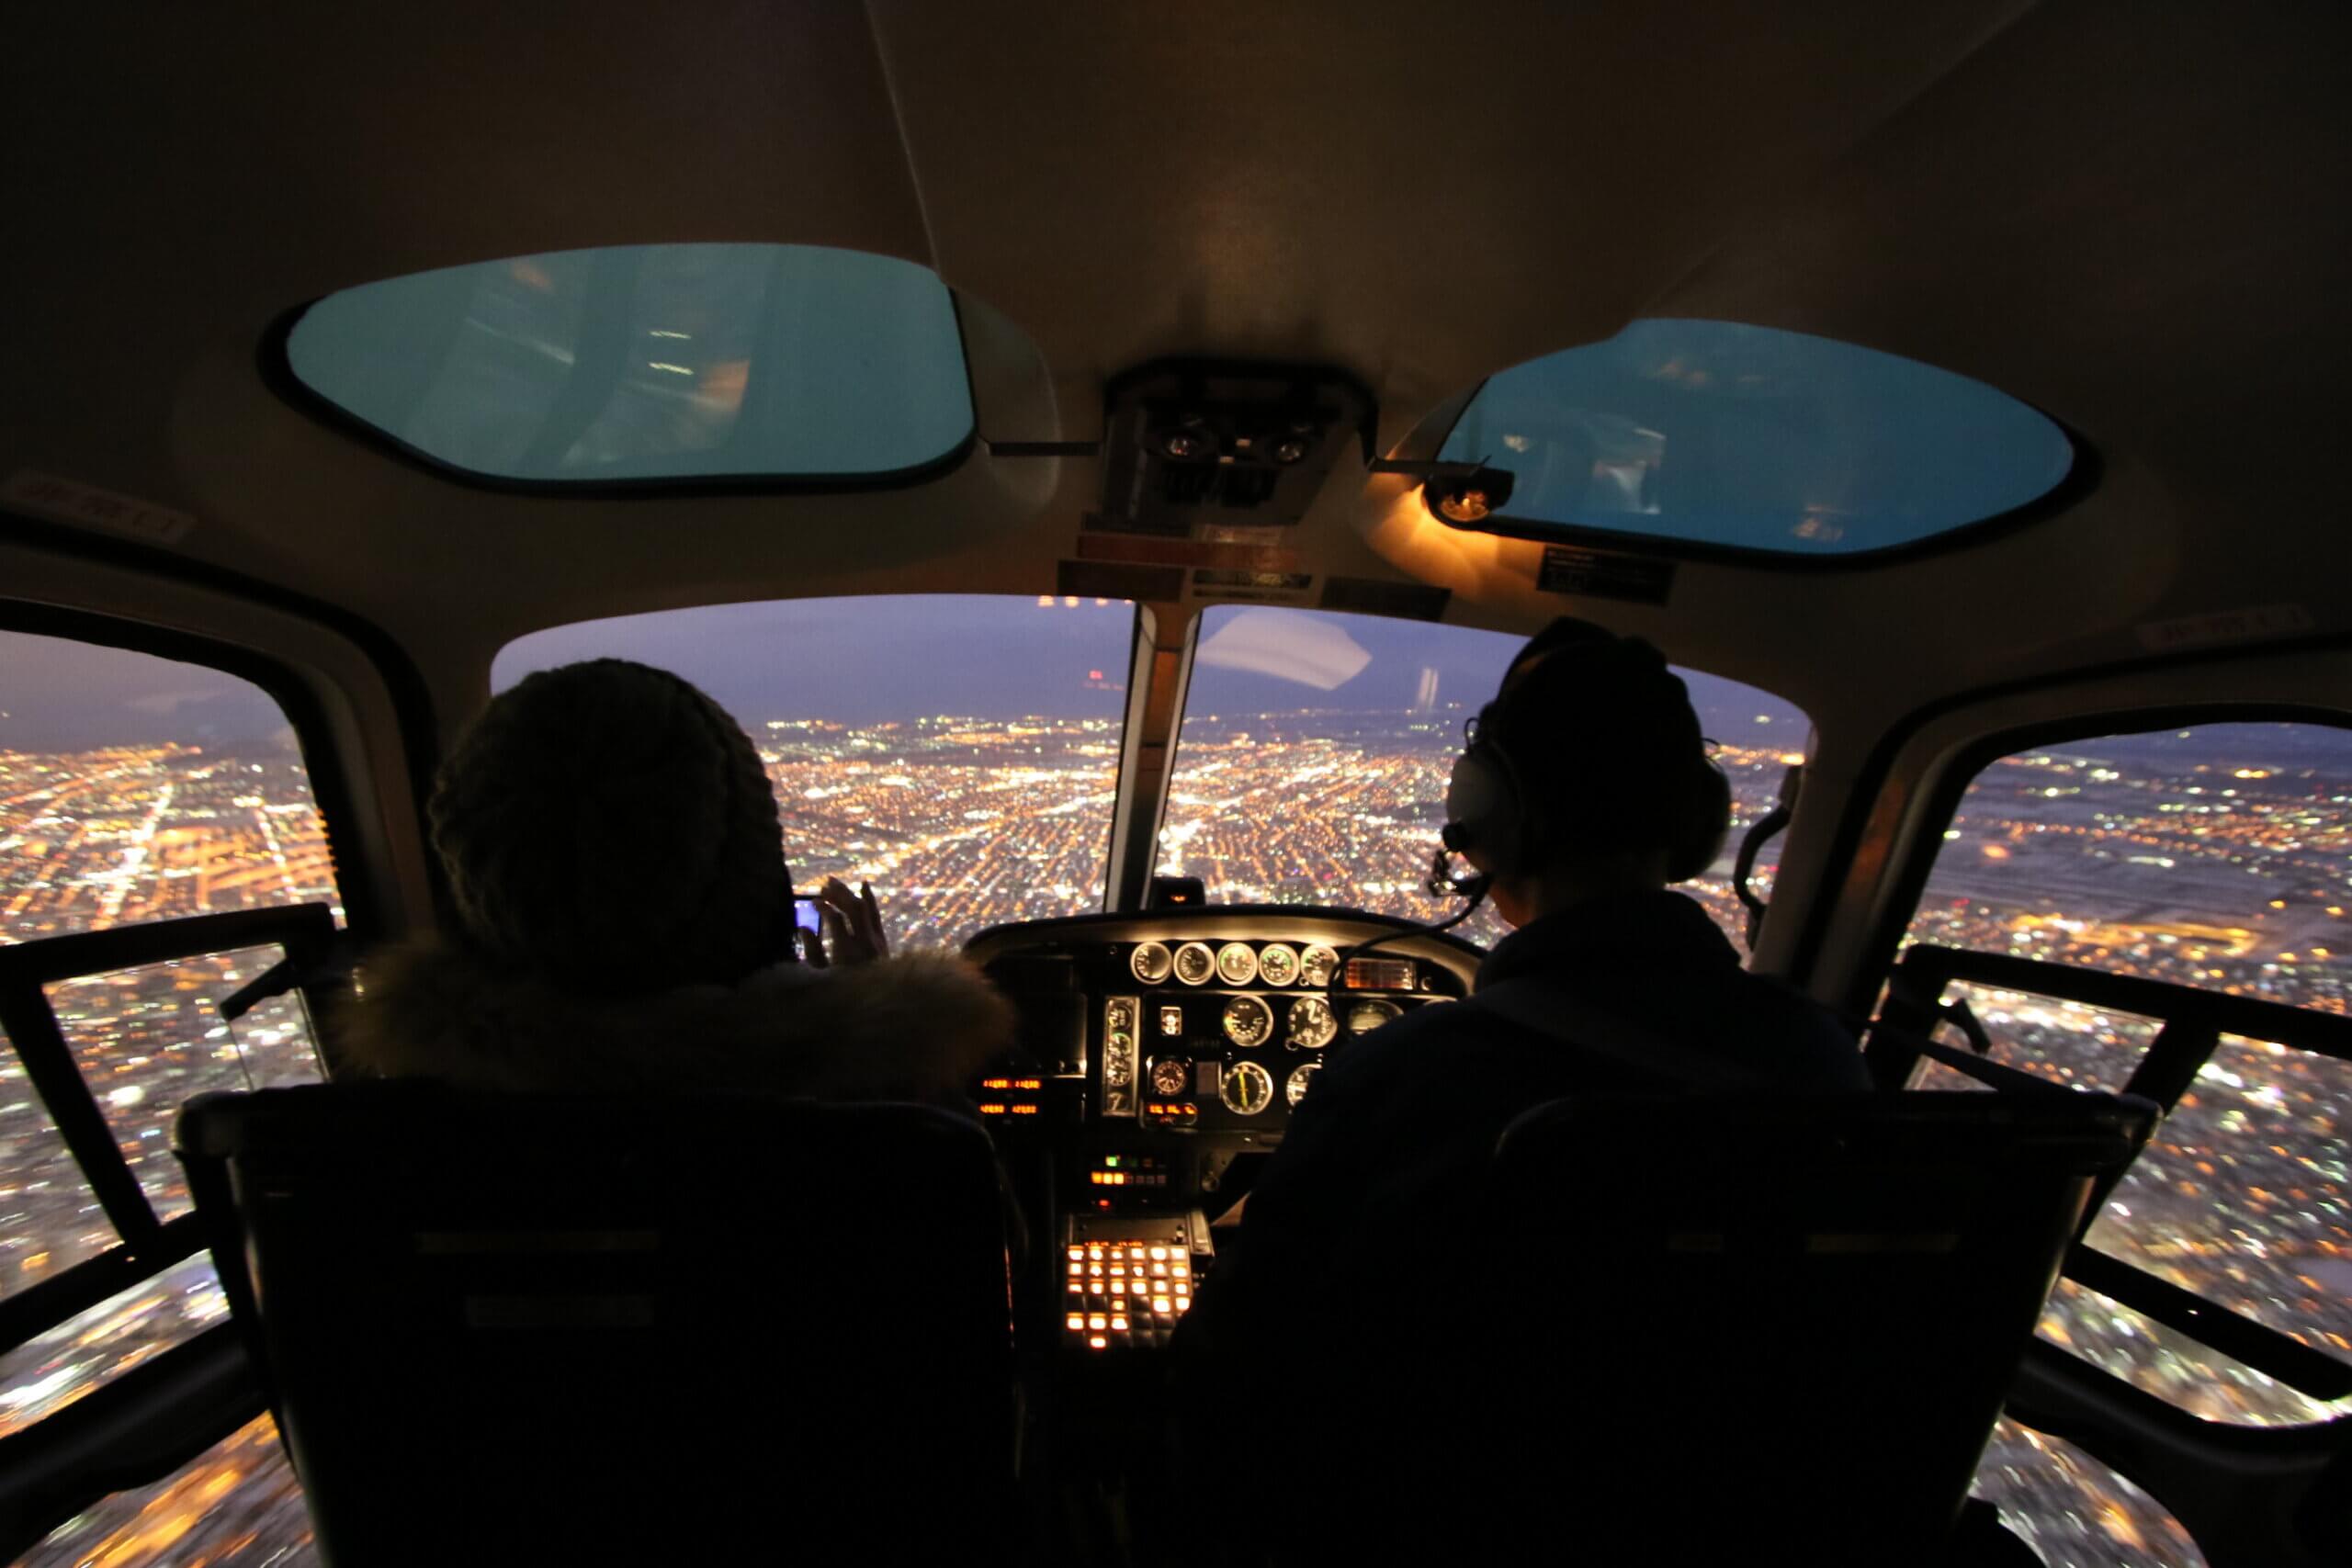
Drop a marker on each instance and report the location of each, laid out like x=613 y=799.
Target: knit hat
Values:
x=608 y=827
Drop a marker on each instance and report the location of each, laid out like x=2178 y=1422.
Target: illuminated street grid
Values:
x=2220 y=872
x=1343 y=808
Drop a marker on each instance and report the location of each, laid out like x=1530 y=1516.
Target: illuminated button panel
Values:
x=1123 y=1293
x=1148 y=1171
x=1005 y=1098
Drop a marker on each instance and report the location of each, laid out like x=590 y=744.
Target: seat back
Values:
x=1689 y=1327
x=559 y=1329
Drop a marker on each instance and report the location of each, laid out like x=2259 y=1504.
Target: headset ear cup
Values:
x=1709 y=825
x=1483 y=808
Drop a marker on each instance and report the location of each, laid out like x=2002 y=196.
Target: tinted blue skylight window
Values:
x=1752 y=438
x=652 y=362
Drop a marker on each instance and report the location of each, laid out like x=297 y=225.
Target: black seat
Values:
x=1717 y=1330
x=566 y=1329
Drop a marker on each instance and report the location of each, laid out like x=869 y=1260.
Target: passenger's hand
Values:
x=852 y=922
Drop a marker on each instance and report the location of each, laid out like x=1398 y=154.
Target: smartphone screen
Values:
x=805 y=915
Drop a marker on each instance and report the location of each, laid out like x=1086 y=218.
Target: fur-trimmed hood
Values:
x=910 y=1028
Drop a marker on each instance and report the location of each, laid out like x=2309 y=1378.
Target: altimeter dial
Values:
x=1248 y=1022
x=1311 y=1024
x=1246 y=1087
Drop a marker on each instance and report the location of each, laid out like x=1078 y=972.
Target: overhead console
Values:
x=1164 y=1055
x=1193 y=441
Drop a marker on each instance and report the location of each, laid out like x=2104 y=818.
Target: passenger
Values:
x=625 y=921
x=1586 y=789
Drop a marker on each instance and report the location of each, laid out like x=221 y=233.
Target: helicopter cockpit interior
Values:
x=1102 y=456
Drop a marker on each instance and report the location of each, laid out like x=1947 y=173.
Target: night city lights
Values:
x=2216 y=858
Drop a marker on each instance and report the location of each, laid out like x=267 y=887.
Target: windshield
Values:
x=960 y=751
x=1312 y=764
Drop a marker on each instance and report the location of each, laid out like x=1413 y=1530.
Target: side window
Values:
x=160 y=849
x=2166 y=912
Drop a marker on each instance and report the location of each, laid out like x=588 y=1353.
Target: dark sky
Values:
x=858 y=661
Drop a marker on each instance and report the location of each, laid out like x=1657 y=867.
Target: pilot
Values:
x=625 y=921
x=1584 y=791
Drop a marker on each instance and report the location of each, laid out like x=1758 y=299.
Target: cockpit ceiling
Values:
x=2129 y=219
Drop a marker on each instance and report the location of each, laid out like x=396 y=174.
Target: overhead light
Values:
x=1467 y=500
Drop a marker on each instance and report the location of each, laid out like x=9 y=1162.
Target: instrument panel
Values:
x=1206 y=1027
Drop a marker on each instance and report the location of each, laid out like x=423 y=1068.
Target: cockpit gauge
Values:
x=1237 y=963
x=1248 y=1022
x=1311 y=1024
x=1278 y=964
x=1295 y=1087
x=1196 y=964
x=1246 y=1087
x=1170 y=1075
x=1149 y=963
x=1316 y=966
x=1369 y=1014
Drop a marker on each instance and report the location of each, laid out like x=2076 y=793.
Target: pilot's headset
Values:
x=1613 y=700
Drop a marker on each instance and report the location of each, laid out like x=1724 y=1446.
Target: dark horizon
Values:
x=862 y=662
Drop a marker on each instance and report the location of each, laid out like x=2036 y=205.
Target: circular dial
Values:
x=1365 y=1016
x=1236 y=964
x=1316 y=966
x=1295 y=1087
x=1171 y=1075
x=1149 y=963
x=1311 y=1024
x=1246 y=1087
x=1196 y=964
x=1117 y=1066
x=1248 y=1022
x=1278 y=964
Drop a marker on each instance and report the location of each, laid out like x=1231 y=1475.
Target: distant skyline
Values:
x=860 y=660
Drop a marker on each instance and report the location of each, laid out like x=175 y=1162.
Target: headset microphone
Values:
x=1441 y=880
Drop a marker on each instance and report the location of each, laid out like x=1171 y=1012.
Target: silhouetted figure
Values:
x=625 y=920
x=1585 y=789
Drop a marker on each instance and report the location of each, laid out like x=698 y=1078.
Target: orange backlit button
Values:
x=1098 y=1343
x=1159 y=1254
x=1182 y=1271
x=1183 y=1289
x=1075 y=1289
x=1118 y=1287
x=1078 y=1252
x=1095 y=1252
x=1096 y=1320
x=1135 y=1253
x=1158 y=1305
x=1183 y=1302
x=1095 y=1269
x=1076 y=1320
x=1077 y=1268
x=1119 y=1324
x=1160 y=1270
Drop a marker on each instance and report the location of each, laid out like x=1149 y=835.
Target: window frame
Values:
x=2192 y=1020
x=148 y=1245
x=278 y=374
x=174 y=1386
